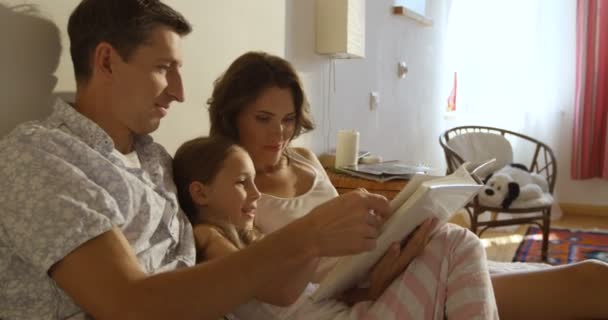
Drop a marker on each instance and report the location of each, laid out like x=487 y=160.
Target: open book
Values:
x=423 y=197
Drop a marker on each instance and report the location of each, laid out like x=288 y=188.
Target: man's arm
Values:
x=103 y=275
x=280 y=291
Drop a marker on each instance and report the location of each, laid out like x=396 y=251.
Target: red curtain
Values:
x=590 y=140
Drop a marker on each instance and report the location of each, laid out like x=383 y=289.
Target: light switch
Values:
x=401 y=69
x=374 y=100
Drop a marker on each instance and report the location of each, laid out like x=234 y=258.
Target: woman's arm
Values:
x=393 y=263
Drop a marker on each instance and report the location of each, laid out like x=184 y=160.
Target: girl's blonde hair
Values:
x=201 y=159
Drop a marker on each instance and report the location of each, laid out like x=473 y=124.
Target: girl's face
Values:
x=233 y=194
x=267 y=125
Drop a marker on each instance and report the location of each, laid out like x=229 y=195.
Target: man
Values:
x=89 y=221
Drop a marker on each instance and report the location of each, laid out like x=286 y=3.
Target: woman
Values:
x=294 y=182
x=259 y=102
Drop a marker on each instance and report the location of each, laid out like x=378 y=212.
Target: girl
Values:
x=215 y=182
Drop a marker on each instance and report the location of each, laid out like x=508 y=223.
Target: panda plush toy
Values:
x=512 y=183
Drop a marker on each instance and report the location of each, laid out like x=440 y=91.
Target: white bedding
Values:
x=504 y=267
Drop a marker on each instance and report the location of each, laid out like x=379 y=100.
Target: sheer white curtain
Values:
x=515 y=62
x=516 y=68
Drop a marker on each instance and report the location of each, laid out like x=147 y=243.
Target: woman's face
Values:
x=267 y=125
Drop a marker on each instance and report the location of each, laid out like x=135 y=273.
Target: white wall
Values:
x=31 y=59
x=223 y=30
x=411 y=113
x=409 y=119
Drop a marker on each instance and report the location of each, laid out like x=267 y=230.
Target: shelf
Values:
x=403 y=11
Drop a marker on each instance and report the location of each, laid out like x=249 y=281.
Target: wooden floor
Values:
x=501 y=245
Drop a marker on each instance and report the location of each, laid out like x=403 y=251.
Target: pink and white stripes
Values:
x=590 y=137
x=449 y=279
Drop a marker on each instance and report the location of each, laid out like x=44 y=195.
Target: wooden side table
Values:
x=345 y=183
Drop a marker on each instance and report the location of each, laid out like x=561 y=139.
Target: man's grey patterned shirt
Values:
x=60 y=186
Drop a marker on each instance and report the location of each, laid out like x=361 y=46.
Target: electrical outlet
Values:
x=374 y=100
x=402 y=69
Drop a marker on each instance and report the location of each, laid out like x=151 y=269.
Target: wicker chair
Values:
x=542 y=162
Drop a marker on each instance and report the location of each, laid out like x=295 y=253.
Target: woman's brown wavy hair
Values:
x=246 y=78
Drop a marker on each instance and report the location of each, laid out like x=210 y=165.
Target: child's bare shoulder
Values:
x=205 y=233
x=211 y=242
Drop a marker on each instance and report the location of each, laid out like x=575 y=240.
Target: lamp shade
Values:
x=340 y=28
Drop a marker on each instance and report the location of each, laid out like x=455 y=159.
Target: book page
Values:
x=422 y=198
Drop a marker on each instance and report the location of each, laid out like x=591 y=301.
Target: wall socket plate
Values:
x=402 y=69
x=374 y=100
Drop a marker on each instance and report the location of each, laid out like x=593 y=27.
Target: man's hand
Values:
x=348 y=224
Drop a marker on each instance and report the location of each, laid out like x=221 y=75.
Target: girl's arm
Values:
x=211 y=244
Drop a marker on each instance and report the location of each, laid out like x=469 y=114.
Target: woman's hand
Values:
x=397 y=258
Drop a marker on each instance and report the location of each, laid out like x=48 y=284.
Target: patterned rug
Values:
x=565 y=246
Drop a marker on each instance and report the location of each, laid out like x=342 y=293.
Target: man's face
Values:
x=144 y=86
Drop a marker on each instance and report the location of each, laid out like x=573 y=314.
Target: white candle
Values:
x=347 y=148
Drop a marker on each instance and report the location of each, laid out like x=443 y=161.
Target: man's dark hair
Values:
x=124 y=24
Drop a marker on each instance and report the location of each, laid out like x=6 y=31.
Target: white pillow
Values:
x=479 y=147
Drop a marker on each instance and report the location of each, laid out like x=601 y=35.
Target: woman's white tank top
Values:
x=275 y=212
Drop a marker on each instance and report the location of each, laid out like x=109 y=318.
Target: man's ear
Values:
x=199 y=193
x=103 y=59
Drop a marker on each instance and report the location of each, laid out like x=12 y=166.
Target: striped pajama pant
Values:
x=450 y=279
